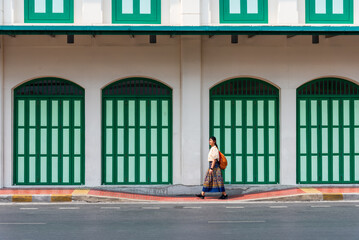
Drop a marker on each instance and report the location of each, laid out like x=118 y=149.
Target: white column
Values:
x=191 y=109
x=288 y=137
x=92 y=135
x=191 y=12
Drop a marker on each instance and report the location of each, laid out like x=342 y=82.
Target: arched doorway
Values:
x=137 y=132
x=328 y=131
x=49 y=133
x=244 y=118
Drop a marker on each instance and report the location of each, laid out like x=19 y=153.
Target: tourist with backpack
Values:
x=213 y=181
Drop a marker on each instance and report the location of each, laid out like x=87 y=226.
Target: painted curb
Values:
x=22 y=198
x=333 y=197
x=61 y=198
x=305 y=197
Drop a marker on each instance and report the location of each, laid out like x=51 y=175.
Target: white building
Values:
x=124 y=92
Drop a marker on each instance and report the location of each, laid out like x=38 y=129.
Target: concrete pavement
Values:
x=116 y=195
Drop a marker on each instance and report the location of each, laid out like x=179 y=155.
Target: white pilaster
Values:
x=191 y=78
x=288 y=137
x=92 y=136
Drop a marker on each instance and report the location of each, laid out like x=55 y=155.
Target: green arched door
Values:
x=244 y=119
x=328 y=132
x=49 y=133
x=137 y=132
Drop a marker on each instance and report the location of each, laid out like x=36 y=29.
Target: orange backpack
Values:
x=222 y=161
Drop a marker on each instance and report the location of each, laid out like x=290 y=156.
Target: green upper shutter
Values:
x=49 y=11
x=136 y=11
x=243 y=11
x=329 y=11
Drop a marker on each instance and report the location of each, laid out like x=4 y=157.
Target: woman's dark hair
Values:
x=214 y=140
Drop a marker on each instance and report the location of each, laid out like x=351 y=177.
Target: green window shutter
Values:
x=136 y=11
x=136 y=133
x=244 y=117
x=329 y=11
x=49 y=11
x=243 y=11
x=49 y=140
x=327 y=132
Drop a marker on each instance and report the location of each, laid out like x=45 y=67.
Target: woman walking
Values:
x=214 y=180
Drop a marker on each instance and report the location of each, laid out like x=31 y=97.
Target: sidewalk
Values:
x=103 y=195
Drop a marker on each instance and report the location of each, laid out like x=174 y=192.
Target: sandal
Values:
x=200 y=196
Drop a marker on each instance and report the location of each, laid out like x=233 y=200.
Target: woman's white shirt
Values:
x=213 y=154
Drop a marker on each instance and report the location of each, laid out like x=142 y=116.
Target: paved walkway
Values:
x=95 y=195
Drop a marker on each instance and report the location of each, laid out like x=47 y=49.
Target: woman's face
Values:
x=211 y=142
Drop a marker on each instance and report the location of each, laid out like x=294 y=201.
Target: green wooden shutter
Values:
x=244 y=118
x=328 y=132
x=49 y=133
x=329 y=11
x=137 y=132
x=49 y=11
x=136 y=11
x=243 y=11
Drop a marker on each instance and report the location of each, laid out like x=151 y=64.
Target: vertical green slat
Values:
x=60 y=141
x=222 y=127
x=114 y=140
x=309 y=149
x=341 y=141
x=126 y=145
x=233 y=141
x=148 y=140
x=244 y=138
x=352 y=139
x=27 y=147
x=38 y=135
x=72 y=141
x=16 y=136
x=319 y=141
x=103 y=162
x=159 y=146
x=83 y=139
x=255 y=141
x=330 y=142
x=266 y=142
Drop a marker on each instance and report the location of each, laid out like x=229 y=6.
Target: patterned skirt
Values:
x=214 y=181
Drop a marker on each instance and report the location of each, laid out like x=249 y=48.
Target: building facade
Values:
x=128 y=92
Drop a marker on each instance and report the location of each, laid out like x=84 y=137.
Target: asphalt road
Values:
x=274 y=221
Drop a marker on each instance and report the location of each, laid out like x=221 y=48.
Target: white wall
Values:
x=190 y=66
